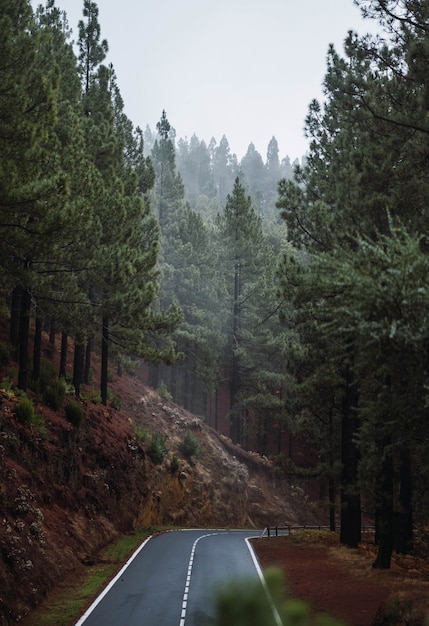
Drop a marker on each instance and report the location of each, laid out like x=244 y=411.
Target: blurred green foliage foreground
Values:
x=246 y=603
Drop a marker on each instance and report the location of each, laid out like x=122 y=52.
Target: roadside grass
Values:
x=68 y=601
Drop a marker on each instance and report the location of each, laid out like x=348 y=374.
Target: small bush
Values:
x=157 y=448
x=74 y=413
x=24 y=410
x=140 y=432
x=47 y=376
x=68 y=386
x=397 y=611
x=163 y=391
x=5 y=353
x=190 y=445
x=12 y=372
x=6 y=384
x=175 y=464
x=116 y=402
x=54 y=395
x=130 y=365
x=244 y=601
x=92 y=395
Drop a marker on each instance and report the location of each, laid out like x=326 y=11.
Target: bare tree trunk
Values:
x=37 y=348
x=63 y=356
x=404 y=535
x=87 y=369
x=350 y=532
x=24 y=334
x=52 y=333
x=104 y=359
x=78 y=364
x=385 y=516
x=15 y=308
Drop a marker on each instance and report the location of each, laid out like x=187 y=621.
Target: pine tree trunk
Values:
x=24 y=333
x=385 y=518
x=87 y=369
x=404 y=535
x=235 y=365
x=332 y=498
x=104 y=359
x=63 y=356
x=52 y=333
x=37 y=348
x=15 y=308
x=350 y=533
x=332 y=491
x=78 y=365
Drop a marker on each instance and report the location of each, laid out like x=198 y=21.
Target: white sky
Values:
x=244 y=68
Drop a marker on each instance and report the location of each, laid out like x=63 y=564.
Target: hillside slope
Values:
x=67 y=491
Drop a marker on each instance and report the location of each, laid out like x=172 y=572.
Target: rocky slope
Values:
x=67 y=491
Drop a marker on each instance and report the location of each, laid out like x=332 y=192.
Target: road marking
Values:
x=188 y=577
x=277 y=618
x=110 y=585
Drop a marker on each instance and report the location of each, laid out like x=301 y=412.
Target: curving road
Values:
x=170 y=580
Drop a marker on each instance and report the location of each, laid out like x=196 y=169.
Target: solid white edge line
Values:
x=277 y=617
x=110 y=585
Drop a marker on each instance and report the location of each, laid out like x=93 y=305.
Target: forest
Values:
x=299 y=289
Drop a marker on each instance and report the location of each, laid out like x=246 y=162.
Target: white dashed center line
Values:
x=188 y=578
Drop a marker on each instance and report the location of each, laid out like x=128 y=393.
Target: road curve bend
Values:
x=170 y=579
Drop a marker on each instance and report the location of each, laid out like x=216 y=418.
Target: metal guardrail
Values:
x=277 y=531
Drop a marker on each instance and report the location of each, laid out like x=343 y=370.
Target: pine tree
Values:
x=253 y=348
x=190 y=280
x=193 y=163
x=364 y=169
x=224 y=168
x=254 y=174
x=31 y=194
x=169 y=191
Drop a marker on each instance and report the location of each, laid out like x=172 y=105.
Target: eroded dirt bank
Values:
x=66 y=491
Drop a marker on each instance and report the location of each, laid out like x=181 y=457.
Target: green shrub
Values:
x=246 y=602
x=175 y=464
x=6 y=384
x=74 y=413
x=190 y=446
x=163 y=391
x=92 y=395
x=68 y=386
x=12 y=373
x=140 y=432
x=5 y=353
x=47 y=376
x=54 y=395
x=157 y=448
x=116 y=402
x=24 y=410
x=130 y=365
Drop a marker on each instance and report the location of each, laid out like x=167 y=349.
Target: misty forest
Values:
x=298 y=292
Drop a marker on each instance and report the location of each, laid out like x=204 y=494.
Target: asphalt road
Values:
x=171 y=580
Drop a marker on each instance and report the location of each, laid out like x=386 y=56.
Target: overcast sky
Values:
x=244 y=68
